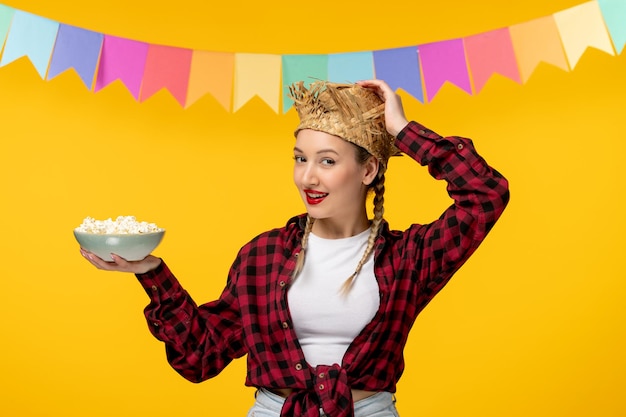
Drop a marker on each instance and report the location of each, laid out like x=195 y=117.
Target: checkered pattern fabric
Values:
x=251 y=317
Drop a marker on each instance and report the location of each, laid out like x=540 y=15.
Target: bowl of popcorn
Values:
x=125 y=236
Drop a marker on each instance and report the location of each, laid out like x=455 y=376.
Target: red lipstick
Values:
x=314 y=197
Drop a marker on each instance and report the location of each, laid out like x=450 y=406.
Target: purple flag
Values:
x=400 y=69
x=76 y=48
x=444 y=61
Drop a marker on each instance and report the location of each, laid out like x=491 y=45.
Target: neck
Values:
x=333 y=229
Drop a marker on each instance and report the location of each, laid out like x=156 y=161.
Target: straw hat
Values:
x=352 y=112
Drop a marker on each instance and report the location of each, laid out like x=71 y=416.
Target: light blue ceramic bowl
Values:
x=132 y=247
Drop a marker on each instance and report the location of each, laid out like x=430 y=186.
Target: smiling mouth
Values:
x=314 y=197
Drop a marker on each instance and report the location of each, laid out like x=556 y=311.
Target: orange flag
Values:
x=211 y=72
x=537 y=41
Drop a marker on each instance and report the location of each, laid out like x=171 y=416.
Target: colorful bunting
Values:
x=234 y=78
x=76 y=48
x=444 y=61
x=400 y=69
x=614 y=13
x=537 y=41
x=581 y=27
x=6 y=15
x=350 y=67
x=122 y=59
x=489 y=53
x=211 y=73
x=30 y=36
x=302 y=67
x=166 y=67
x=257 y=74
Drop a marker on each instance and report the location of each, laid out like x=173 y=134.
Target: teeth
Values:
x=316 y=195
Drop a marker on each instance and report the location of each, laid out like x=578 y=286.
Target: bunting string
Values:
x=235 y=78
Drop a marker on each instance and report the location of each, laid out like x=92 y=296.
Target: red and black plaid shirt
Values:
x=252 y=317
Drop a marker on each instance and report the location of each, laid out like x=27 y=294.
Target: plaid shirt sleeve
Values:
x=480 y=194
x=201 y=340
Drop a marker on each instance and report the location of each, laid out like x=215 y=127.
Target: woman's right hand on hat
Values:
x=395 y=120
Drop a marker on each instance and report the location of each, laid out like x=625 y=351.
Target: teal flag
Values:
x=6 y=14
x=614 y=14
x=305 y=68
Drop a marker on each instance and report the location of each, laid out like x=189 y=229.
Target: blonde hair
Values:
x=379 y=199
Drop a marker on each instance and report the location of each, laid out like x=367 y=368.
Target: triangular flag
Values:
x=581 y=27
x=305 y=68
x=6 y=15
x=489 y=53
x=444 y=61
x=166 y=67
x=614 y=12
x=122 y=59
x=30 y=36
x=400 y=69
x=76 y=48
x=257 y=74
x=537 y=41
x=211 y=73
x=350 y=67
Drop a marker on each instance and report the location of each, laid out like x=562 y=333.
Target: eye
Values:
x=328 y=161
x=299 y=159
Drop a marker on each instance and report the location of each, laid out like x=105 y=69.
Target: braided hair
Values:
x=378 y=186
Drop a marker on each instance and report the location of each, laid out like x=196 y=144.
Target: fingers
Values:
x=372 y=83
x=395 y=119
x=380 y=87
x=118 y=264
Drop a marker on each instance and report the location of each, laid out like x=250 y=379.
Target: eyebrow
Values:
x=296 y=149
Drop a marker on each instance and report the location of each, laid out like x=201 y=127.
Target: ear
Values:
x=371 y=170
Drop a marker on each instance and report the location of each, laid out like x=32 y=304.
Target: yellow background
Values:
x=533 y=325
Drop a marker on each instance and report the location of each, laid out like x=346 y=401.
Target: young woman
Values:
x=323 y=306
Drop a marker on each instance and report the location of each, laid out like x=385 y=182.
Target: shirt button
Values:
x=298 y=366
x=296 y=254
x=155 y=324
x=322 y=375
x=282 y=283
x=421 y=132
x=321 y=387
x=154 y=288
x=459 y=146
x=285 y=325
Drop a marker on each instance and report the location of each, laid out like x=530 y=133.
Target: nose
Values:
x=309 y=175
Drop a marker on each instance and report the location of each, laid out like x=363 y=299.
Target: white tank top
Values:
x=325 y=321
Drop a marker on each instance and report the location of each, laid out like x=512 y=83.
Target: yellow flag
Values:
x=581 y=27
x=257 y=74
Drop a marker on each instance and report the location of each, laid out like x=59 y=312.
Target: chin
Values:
x=316 y=213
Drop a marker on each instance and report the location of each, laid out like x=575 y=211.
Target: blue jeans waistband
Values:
x=376 y=403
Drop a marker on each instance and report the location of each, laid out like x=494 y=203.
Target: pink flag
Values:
x=489 y=53
x=122 y=59
x=166 y=67
x=444 y=61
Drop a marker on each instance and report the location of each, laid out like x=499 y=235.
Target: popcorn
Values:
x=123 y=225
